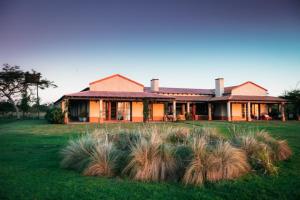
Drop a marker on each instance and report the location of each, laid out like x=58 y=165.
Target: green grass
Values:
x=29 y=168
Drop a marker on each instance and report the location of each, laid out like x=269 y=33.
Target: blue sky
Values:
x=183 y=43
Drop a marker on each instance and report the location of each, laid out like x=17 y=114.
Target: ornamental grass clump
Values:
x=260 y=155
x=76 y=155
x=226 y=162
x=280 y=148
x=195 y=171
x=151 y=160
x=103 y=160
x=191 y=156
x=178 y=135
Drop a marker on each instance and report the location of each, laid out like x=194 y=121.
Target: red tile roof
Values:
x=248 y=98
x=192 y=98
x=96 y=94
x=182 y=90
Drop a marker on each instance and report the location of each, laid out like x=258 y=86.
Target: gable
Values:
x=116 y=83
x=249 y=89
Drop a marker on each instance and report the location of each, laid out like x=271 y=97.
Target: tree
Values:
x=15 y=83
x=293 y=97
x=34 y=78
x=11 y=84
x=24 y=105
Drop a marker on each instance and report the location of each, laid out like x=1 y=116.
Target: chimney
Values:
x=219 y=87
x=154 y=85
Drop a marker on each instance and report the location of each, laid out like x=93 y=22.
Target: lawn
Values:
x=29 y=167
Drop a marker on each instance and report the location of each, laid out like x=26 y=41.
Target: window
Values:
x=123 y=111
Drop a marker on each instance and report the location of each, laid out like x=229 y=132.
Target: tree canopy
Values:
x=15 y=83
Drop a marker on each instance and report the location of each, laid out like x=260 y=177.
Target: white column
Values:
x=188 y=107
x=100 y=110
x=209 y=112
x=174 y=110
x=249 y=112
x=228 y=111
x=282 y=112
x=64 y=108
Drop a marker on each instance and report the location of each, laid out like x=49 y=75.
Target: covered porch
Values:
x=189 y=108
x=243 y=108
x=99 y=107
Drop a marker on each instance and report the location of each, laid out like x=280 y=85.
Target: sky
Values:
x=184 y=43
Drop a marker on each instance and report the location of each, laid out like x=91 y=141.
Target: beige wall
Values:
x=137 y=111
x=263 y=109
x=158 y=112
x=249 y=89
x=116 y=83
x=236 y=111
x=94 y=112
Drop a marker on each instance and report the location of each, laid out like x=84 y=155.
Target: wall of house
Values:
x=249 y=89
x=158 y=112
x=236 y=111
x=220 y=111
x=263 y=109
x=94 y=111
x=116 y=84
x=137 y=112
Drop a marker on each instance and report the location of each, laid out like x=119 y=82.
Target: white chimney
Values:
x=155 y=85
x=219 y=87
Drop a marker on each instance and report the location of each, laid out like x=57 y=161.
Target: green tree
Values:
x=11 y=85
x=34 y=79
x=15 y=83
x=293 y=97
x=24 y=105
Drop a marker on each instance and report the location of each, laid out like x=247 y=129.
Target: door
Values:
x=113 y=110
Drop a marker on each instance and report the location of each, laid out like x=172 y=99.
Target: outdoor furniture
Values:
x=180 y=117
x=266 y=117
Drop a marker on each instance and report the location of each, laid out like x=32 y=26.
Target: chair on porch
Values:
x=265 y=116
x=168 y=118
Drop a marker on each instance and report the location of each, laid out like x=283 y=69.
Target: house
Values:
x=118 y=98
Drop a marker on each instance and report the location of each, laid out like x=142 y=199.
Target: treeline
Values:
x=7 y=110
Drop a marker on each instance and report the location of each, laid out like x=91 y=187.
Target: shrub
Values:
x=55 y=115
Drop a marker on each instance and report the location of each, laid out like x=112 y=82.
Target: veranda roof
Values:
x=118 y=95
x=267 y=99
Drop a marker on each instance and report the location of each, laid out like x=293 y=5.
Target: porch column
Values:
x=283 y=112
x=188 y=107
x=249 y=112
x=174 y=110
x=209 y=112
x=64 y=107
x=100 y=110
x=228 y=111
x=183 y=109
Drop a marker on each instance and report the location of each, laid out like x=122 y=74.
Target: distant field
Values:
x=29 y=167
